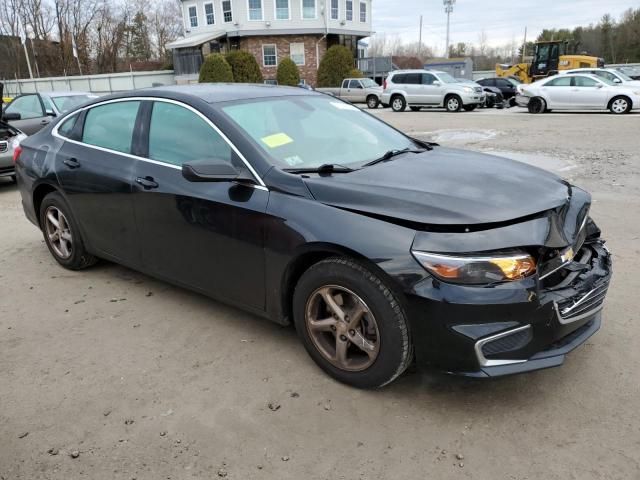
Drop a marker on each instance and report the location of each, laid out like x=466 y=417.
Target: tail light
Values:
x=384 y=84
x=17 y=150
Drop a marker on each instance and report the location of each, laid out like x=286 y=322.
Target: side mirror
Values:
x=11 y=117
x=51 y=113
x=617 y=80
x=599 y=85
x=436 y=83
x=214 y=170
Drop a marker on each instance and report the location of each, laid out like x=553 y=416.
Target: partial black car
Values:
x=507 y=86
x=381 y=249
x=10 y=138
x=494 y=98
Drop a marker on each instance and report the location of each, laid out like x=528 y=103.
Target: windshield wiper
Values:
x=326 y=168
x=392 y=153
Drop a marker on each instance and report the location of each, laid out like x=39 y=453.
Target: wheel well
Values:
x=39 y=193
x=302 y=263
x=396 y=95
x=372 y=95
x=620 y=96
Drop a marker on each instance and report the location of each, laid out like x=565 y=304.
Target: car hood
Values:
x=444 y=187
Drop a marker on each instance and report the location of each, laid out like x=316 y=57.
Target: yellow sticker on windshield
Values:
x=276 y=140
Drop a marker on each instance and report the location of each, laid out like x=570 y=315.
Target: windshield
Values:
x=624 y=76
x=368 y=83
x=300 y=132
x=67 y=102
x=446 y=78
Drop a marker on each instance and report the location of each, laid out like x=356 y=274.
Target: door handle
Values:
x=45 y=121
x=147 y=182
x=71 y=163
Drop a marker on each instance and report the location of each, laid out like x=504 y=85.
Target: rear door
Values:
x=559 y=92
x=95 y=167
x=204 y=235
x=413 y=87
x=32 y=113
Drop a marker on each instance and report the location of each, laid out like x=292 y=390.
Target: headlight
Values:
x=468 y=89
x=477 y=270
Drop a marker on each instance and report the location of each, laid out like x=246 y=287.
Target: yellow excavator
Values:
x=549 y=58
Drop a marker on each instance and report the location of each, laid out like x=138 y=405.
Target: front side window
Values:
x=209 y=14
x=111 y=126
x=177 y=135
x=349 y=10
x=28 y=106
x=193 y=16
x=298 y=132
x=584 y=82
x=363 y=12
x=226 y=11
x=308 y=9
x=255 y=9
x=282 y=9
x=335 y=12
x=297 y=53
x=428 y=79
x=355 y=84
x=269 y=56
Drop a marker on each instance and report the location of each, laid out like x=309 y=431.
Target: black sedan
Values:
x=508 y=87
x=381 y=249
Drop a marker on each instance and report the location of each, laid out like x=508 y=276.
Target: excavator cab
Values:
x=546 y=60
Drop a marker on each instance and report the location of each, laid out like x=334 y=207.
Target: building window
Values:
x=308 y=9
x=282 y=9
x=226 y=11
x=208 y=13
x=363 y=12
x=255 y=9
x=271 y=81
x=193 y=17
x=297 y=53
x=269 y=56
x=349 y=10
x=334 y=10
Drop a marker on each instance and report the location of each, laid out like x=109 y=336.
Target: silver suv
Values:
x=429 y=88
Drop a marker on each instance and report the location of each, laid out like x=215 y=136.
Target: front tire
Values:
x=398 y=103
x=453 y=103
x=537 y=105
x=62 y=234
x=351 y=323
x=620 y=105
x=373 y=102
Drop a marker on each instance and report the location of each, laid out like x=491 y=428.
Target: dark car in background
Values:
x=507 y=86
x=10 y=137
x=302 y=208
x=31 y=112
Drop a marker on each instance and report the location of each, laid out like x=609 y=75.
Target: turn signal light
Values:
x=17 y=150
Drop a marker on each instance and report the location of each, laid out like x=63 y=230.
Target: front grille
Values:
x=510 y=343
x=589 y=302
x=6 y=169
x=4 y=146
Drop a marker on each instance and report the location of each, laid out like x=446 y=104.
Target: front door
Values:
x=431 y=89
x=96 y=172
x=589 y=93
x=204 y=235
x=32 y=113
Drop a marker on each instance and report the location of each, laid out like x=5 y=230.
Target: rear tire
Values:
x=378 y=323
x=453 y=103
x=398 y=103
x=62 y=234
x=620 y=105
x=537 y=105
x=373 y=102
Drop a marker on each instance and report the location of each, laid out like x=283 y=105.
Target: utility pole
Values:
x=524 y=45
x=420 y=39
x=448 y=8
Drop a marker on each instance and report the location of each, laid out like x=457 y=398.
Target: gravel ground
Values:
x=109 y=374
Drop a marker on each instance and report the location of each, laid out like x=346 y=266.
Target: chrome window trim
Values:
x=54 y=132
x=483 y=361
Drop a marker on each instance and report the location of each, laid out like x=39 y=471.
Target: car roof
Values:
x=65 y=94
x=578 y=70
x=416 y=70
x=220 y=92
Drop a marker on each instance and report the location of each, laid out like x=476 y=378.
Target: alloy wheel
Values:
x=453 y=104
x=373 y=102
x=342 y=328
x=397 y=104
x=58 y=232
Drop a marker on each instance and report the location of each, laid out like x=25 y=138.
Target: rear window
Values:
x=111 y=126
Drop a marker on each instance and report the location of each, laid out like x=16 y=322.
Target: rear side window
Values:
x=111 y=126
x=177 y=135
x=559 y=82
x=413 y=79
x=67 y=126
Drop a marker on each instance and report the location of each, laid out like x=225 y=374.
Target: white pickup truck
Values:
x=357 y=90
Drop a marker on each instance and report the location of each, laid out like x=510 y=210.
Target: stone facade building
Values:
x=271 y=30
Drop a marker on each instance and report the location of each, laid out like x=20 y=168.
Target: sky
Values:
x=502 y=20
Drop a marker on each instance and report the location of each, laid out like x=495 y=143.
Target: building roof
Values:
x=196 y=40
